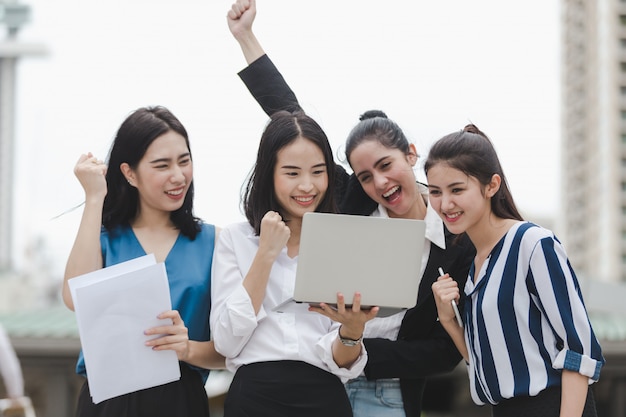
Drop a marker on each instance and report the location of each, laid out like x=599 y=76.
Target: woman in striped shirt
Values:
x=527 y=340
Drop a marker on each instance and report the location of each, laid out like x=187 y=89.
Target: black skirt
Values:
x=183 y=398
x=286 y=389
x=545 y=404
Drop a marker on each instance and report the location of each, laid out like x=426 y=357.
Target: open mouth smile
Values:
x=392 y=194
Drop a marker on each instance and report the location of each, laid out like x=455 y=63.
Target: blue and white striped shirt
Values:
x=525 y=319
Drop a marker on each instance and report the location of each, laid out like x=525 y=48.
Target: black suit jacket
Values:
x=423 y=347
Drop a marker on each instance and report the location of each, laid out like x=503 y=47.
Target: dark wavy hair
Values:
x=133 y=138
x=375 y=125
x=472 y=152
x=284 y=127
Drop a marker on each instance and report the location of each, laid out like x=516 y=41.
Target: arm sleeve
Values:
x=559 y=294
x=232 y=317
x=268 y=87
x=432 y=355
x=324 y=349
x=352 y=199
x=271 y=91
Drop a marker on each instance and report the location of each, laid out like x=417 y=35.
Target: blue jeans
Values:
x=380 y=398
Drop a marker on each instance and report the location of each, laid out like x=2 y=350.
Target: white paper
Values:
x=113 y=307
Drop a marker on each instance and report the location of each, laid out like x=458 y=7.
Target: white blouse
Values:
x=244 y=337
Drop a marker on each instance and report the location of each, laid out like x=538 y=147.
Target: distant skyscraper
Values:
x=593 y=146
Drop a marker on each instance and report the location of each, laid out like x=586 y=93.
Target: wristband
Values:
x=348 y=342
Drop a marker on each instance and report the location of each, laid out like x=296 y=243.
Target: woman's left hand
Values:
x=445 y=290
x=352 y=318
x=171 y=337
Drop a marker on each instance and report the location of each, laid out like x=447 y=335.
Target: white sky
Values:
x=432 y=66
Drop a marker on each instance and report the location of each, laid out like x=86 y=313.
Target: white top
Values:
x=388 y=327
x=244 y=337
x=10 y=367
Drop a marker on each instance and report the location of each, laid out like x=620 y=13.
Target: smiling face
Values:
x=163 y=175
x=300 y=178
x=386 y=175
x=462 y=201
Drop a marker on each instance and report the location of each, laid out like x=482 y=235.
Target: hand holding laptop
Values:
x=346 y=314
x=380 y=258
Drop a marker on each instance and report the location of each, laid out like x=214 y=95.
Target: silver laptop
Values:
x=378 y=257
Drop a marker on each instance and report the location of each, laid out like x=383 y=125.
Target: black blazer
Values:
x=423 y=347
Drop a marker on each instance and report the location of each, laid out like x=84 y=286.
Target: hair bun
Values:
x=471 y=128
x=370 y=114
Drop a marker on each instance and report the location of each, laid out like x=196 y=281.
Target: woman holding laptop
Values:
x=406 y=348
x=285 y=364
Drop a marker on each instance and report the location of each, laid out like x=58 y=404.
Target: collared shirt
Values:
x=245 y=337
x=388 y=327
x=525 y=319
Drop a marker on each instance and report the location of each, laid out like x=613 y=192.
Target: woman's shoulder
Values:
x=238 y=229
x=531 y=237
x=116 y=233
x=207 y=231
x=531 y=231
x=206 y=227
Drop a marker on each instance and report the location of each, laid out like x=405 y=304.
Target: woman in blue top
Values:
x=528 y=342
x=141 y=202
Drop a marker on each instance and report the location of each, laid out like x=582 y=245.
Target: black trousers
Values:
x=545 y=404
x=183 y=398
x=286 y=389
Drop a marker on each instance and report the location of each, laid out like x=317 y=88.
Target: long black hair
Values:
x=283 y=128
x=133 y=138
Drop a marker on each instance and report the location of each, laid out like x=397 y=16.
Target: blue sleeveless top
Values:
x=188 y=267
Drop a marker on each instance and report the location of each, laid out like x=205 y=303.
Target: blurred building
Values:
x=593 y=146
x=17 y=288
x=592 y=221
x=12 y=16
